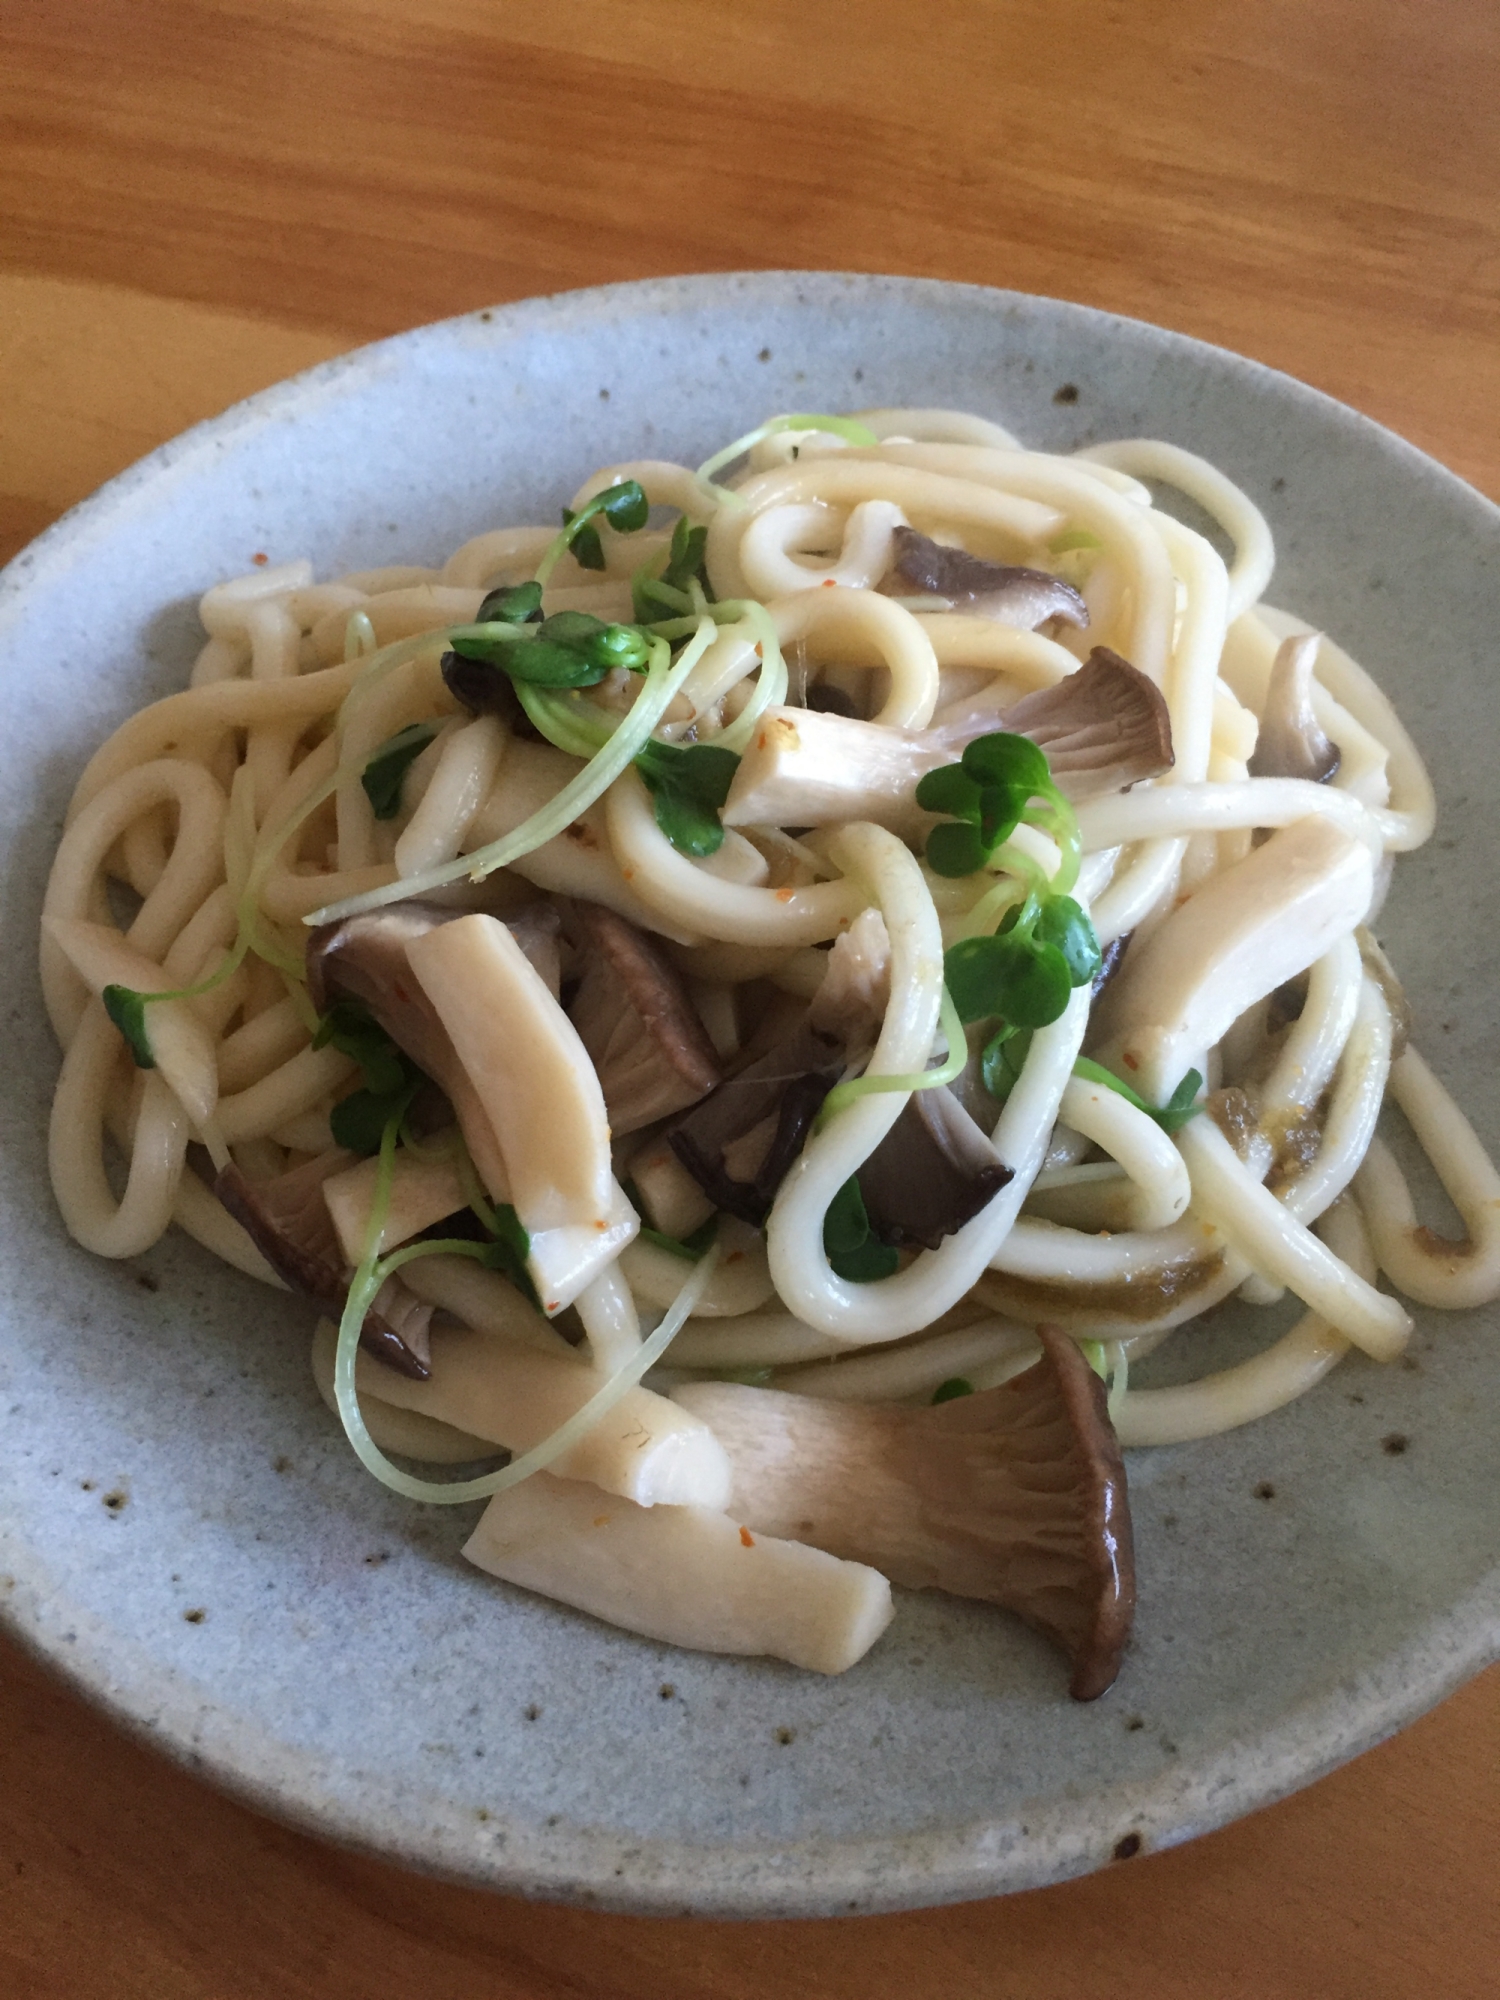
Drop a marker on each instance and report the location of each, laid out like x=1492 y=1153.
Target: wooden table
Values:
x=196 y=199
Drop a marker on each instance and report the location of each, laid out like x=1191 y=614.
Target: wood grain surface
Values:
x=198 y=197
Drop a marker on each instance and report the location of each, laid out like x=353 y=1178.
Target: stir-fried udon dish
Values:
x=749 y=1014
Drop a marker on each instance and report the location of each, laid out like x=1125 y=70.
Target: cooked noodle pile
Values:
x=712 y=984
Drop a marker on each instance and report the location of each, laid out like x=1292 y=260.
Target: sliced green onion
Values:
x=662 y=681
x=1119 y=1377
x=848 y=428
x=367 y=1281
x=568 y=720
x=771 y=683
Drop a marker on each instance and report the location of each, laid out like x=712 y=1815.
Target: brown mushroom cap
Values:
x=288 y=1222
x=770 y=1104
x=1015 y=1496
x=931 y=1173
x=364 y=958
x=1102 y=728
x=643 y=1035
x=1010 y=595
x=1292 y=742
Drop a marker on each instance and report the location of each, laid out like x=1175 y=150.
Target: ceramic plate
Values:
x=190 y=1541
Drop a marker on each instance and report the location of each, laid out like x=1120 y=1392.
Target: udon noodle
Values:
x=331 y=761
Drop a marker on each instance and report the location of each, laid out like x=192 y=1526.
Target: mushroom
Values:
x=422 y=1190
x=1015 y=1495
x=364 y=958
x=1103 y=728
x=513 y=1395
x=685 y=1575
x=651 y=1051
x=1292 y=742
x=537 y=1091
x=1245 y=932
x=1022 y=597
x=931 y=1173
x=288 y=1221
x=740 y=1140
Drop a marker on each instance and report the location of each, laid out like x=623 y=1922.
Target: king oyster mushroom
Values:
x=463 y=998
x=690 y=1576
x=1103 y=728
x=1015 y=1495
x=651 y=1051
x=931 y=1173
x=1022 y=597
x=739 y=1141
x=1245 y=932
x=1292 y=742
x=288 y=1221
x=364 y=958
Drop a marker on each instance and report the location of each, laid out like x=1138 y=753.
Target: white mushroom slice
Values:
x=685 y=1575
x=422 y=1192
x=1239 y=937
x=674 y=1202
x=737 y=861
x=806 y=768
x=529 y=1068
x=180 y=1045
x=566 y=1258
x=644 y=1448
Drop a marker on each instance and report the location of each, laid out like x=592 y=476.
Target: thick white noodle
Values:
x=1427 y=1267
x=1242 y=521
x=1249 y=1216
x=1268 y=1381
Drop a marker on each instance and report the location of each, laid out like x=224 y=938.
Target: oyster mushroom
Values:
x=514 y=1395
x=462 y=996
x=364 y=958
x=1247 y=931
x=1015 y=1495
x=537 y=1090
x=740 y=1140
x=1022 y=597
x=931 y=1173
x=288 y=1221
x=633 y=1015
x=687 y=1575
x=1292 y=742
x=1103 y=728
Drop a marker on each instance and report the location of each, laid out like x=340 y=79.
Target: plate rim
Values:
x=806 y=1877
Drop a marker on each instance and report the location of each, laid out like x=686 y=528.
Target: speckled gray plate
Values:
x=184 y=1535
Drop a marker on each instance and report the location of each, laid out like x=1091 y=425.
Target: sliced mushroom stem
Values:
x=685 y=1575
x=288 y=1222
x=1292 y=742
x=1015 y=1495
x=644 y=1448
